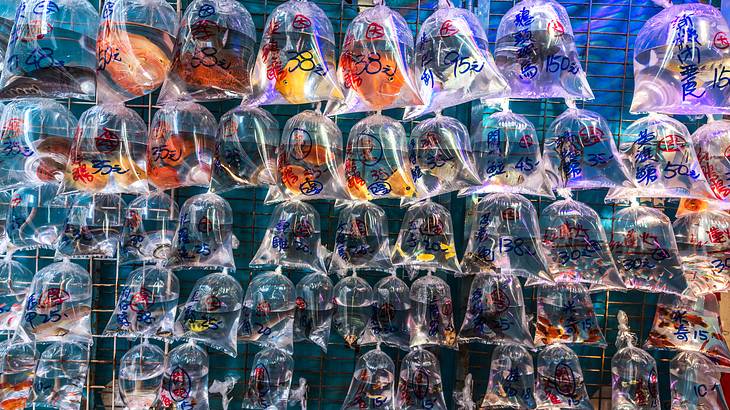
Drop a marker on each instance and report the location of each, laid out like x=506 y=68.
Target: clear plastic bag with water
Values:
x=361 y=239
x=565 y=314
x=7 y=19
x=712 y=146
x=419 y=383
x=353 y=298
x=15 y=281
x=93 y=227
x=17 y=370
x=390 y=314
x=185 y=383
x=60 y=376
x=560 y=381
x=267 y=318
x=270 y=381
x=432 y=313
x=141 y=370
x=695 y=383
x=511 y=379
x=373 y=383
x=149 y=229
x=314 y=309
x=36 y=217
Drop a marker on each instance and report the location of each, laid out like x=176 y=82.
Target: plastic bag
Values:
x=426 y=240
x=60 y=376
x=15 y=280
x=680 y=324
x=565 y=315
x=560 y=382
x=204 y=237
x=419 y=385
x=644 y=248
x=536 y=52
x=149 y=229
x=678 y=57
x=376 y=63
x=507 y=156
x=375 y=160
x=580 y=153
x=353 y=297
x=224 y=388
x=267 y=318
x=703 y=240
x=17 y=369
x=576 y=246
x=270 y=380
x=313 y=314
x=36 y=217
x=214 y=53
x=51 y=50
x=695 y=383
x=36 y=137
x=373 y=383
x=108 y=152
x=390 y=314
x=134 y=48
x=505 y=238
x=511 y=379
x=140 y=376
x=58 y=305
x=657 y=150
x=293 y=239
x=496 y=312
x=432 y=313
x=439 y=153
x=361 y=239
x=212 y=312
x=296 y=61
x=634 y=378
x=245 y=150
x=185 y=384
x=711 y=142
x=146 y=304
x=93 y=227
x=309 y=159
x=7 y=16
x=181 y=145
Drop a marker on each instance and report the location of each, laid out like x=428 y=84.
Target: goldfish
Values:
x=292 y=82
x=375 y=76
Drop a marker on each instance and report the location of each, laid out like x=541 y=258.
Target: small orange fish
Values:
x=375 y=76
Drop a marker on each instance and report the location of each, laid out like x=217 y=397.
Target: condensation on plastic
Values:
x=15 y=280
x=293 y=239
x=565 y=315
x=314 y=309
x=712 y=146
x=212 y=312
x=703 y=240
x=496 y=312
x=695 y=383
x=580 y=153
x=645 y=250
x=432 y=313
x=439 y=153
x=353 y=297
x=7 y=16
x=58 y=305
x=576 y=246
x=141 y=370
x=17 y=365
x=373 y=383
x=505 y=239
x=419 y=384
x=426 y=240
x=682 y=39
x=309 y=159
x=36 y=135
x=361 y=239
x=149 y=228
x=108 y=153
x=536 y=52
x=51 y=50
x=376 y=164
x=389 y=315
x=214 y=53
x=267 y=317
x=93 y=227
x=204 y=236
x=376 y=68
x=133 y=48
x=507 y=157
x=560 y=382
x=270 y=380
x=681 y=324
x=185 y=384
x=60 y=376
x=511 y=379
x=659 y=154
x=146 y=304
x=36 y=217
x=634 y=377
x=181 y=145
x=245 y=150
x=296 y=60
x=453 y=63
